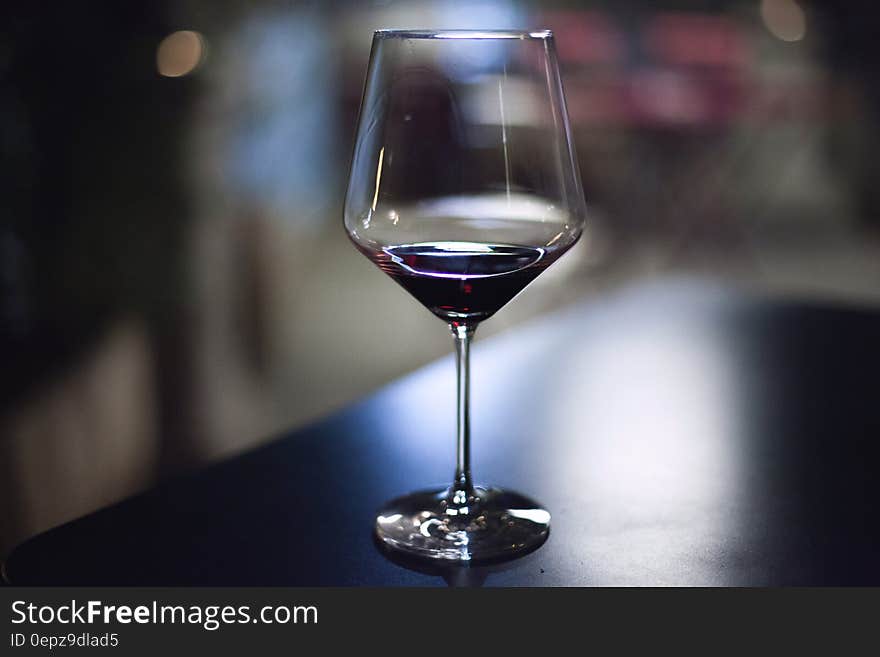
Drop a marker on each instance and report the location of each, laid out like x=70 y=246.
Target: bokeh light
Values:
x=180 y=53
x=784 y=19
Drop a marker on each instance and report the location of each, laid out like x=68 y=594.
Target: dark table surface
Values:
x=681 y=433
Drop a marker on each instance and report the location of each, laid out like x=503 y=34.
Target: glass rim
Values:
x=462 y=34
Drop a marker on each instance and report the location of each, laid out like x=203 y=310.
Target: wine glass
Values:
x=464 y=186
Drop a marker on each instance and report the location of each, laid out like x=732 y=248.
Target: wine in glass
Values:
x=464 y=187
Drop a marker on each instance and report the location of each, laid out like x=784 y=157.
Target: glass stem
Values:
x=461 y=494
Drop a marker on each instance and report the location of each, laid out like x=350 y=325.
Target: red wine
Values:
x=462 y=282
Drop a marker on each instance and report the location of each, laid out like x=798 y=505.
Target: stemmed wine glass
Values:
x=464 y=187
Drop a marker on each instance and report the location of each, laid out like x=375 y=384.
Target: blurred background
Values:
x=175 y=282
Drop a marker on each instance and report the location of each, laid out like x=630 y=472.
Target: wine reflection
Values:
x=455 y=574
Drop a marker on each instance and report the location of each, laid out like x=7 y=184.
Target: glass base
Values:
x=497 y=525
